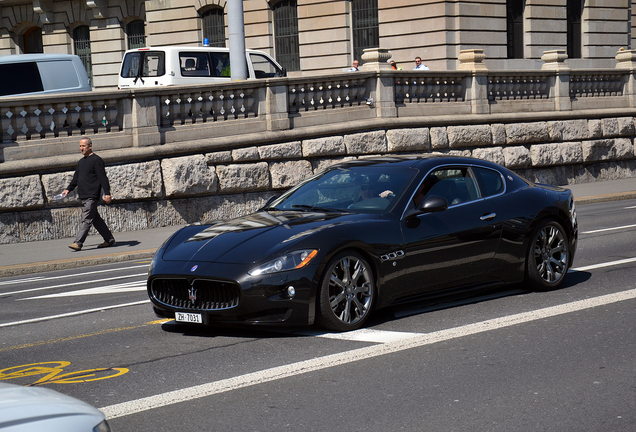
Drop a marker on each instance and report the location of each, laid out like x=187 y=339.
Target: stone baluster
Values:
x=7 y=124
x=33 y=121
x=48 y=122
x=19 y=122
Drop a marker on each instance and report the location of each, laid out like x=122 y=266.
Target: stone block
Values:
x=439 y=138
x=290 y=150
x=609 y=127
x=9 y=231
x=527 y=133
x=625 y=126
x=288 y=174
x=188 y=175
x=499 y=134
x=492 y=154
x=19 y=193
x=568 y=130
x=56 y=183
x=556 y=154
x=243 y=177
x=328 y=146
x=366 y=143
x=469 y=136
x=218 y=157
x=135 y=181
x=607 y=150
x=595 y=129
x=405 y=140
x=245 y=154
x=517 y=157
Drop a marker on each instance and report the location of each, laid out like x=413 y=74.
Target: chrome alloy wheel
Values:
x=551 y=253
x=350 y=290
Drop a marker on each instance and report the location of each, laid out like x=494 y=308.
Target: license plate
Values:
x=188 y=317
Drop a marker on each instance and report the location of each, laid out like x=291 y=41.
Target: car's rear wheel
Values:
x=548 y=257
x=347 y=292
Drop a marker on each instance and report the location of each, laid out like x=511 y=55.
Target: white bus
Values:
x=180 y=65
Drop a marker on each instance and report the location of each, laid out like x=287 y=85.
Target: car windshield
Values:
x=363 y=189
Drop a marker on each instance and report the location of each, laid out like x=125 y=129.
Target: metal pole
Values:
x=236 y=29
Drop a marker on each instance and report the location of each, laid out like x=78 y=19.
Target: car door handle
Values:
x=489 y=216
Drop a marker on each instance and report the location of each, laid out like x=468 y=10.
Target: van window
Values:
x=152 y=64
x=263 y=67
x=194 y=64
x=221 y=64
x=20 y=78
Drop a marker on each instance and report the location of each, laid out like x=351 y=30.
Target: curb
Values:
x=70 y=263
x=605 y=197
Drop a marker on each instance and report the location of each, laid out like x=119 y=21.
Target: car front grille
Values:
x=202 y=294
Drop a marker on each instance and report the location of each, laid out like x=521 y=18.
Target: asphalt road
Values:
x=508 y=360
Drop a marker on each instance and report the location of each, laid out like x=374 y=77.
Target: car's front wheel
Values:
x=347 y=292
x=547 y=261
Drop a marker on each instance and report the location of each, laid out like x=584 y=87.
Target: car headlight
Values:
x=290 y=261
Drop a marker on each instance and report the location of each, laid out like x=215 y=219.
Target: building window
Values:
x=286 y=34
x=514 y=28
x=213 y=25
x=575 y=13
x=32 y=41
x=82 y=45
x=136 y=34
x=364 y=21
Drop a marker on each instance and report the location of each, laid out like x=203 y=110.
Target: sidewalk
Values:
x=34 y=257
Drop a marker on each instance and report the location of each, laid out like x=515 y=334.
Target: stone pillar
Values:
x=477 y=83
x=141 y=118
x=375 y=59
x=275 y=107
x=627 y=60
x=554 y=60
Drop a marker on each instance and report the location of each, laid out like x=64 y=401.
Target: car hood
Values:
x=251 y=238
x=38 y=408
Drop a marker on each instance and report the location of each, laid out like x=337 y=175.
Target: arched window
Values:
x=136 y=34
x=213 y=27
x=82 y=46
x=364 y=22
x=514 y=27
x=286 y=34
x=575 y=13
x=32 y=41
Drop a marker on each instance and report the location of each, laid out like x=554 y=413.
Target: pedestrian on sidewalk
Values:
x=90 y=178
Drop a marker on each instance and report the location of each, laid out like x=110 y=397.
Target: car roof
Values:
x=419 y=161
x=21 y=58
x=188 y=48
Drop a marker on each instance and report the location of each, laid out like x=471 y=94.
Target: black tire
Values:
x=347 y=292
x=548 y=257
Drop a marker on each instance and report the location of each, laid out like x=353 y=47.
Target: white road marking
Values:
x=109 y=289
x=294 y=369
x=606 y=264
x=74 y=284
x=608 y=229
x=362 y=335
x=70 y=314
x=630 y=207
x=42 y=278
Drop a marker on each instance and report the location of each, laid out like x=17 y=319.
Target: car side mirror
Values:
x=433 y=204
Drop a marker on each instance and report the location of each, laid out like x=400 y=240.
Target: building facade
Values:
x=325 y=36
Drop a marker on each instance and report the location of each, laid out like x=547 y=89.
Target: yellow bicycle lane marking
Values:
x=52 y=372
x=69 y=338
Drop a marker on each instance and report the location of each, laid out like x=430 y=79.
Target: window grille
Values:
x=214 y=27
x=32 y=41
x=286 y=34
x=364 y=21
x=136 y=34
x=82 y=45
x=514 y=23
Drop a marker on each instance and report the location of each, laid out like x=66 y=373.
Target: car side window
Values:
x=490 y=181
x=263 y=67
x=456 y=184
x=194 y=64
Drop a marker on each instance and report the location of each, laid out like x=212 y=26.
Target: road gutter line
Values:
x=286 y=371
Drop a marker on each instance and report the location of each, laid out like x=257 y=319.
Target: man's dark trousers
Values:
x=90 y=216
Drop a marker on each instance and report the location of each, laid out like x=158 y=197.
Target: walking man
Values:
x=90 y=178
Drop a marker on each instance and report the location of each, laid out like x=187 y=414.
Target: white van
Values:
x=33 y=74
x=169 y=65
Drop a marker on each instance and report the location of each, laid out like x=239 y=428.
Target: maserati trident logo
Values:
x=192 y=294
x=194 y=268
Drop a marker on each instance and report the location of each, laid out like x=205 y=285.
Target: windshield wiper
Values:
x=316 y=208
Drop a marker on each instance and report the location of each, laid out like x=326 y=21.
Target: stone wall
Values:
x=228 y=183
